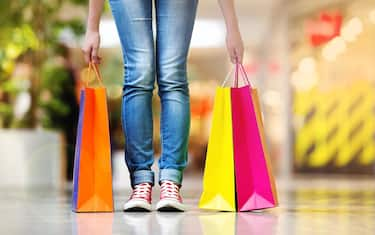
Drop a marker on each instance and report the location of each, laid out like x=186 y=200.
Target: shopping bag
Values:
x=92 y=178
x=218 y=180
x=237 y=175
x=255 y=98
x=255 y=187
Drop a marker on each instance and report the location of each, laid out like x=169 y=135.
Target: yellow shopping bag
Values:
x=218 y=180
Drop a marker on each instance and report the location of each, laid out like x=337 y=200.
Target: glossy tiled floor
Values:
x=307 y=206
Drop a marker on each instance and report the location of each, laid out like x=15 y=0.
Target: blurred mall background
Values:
x=312 y=61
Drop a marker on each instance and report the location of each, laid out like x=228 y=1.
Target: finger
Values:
x=239 y=58
x=94 y=56
x=97 y=60
x=230 y=51
x=232 y=55
x=87 y=54
x=239 y=55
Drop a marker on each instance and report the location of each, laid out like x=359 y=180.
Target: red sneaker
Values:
x=140 y=200
x=170 y=198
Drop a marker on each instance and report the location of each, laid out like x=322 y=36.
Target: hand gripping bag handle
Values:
x=238 y=67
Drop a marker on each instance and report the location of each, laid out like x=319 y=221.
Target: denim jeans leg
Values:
x=174 y=25
x=134 y=25
x=142 y=176
x=174 y=175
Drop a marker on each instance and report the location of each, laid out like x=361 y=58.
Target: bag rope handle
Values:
x=238 y=67
x=98 y=75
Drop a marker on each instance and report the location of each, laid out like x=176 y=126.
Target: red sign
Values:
x=323 y=29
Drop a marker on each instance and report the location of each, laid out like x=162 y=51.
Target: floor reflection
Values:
x=138 y=223
x=319 y=210
x=328 y=210
x=306 y=207
x=170 y=223
x=93 y=223
x=238 y=223
x=248 y=223
x=219 y=223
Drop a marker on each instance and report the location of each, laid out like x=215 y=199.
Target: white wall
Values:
x=30 y=158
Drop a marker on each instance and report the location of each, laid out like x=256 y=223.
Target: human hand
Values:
x=235 y=46
x=91 y=46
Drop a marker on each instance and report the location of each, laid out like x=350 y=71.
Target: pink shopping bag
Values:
x=255 y=185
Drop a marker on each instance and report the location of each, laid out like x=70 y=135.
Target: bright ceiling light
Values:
x=333 y=48
x=338 y=45
x=328 y=53
x=272 y=98
x=303 y=82
x=307 y=65
x=208 y=33
x=352 y=29
x=357 y=25
x=305 y=77
x=348 y=34
x=108 y=34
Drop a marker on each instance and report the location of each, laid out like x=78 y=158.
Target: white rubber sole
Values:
x=137 y=205
x=170 y=205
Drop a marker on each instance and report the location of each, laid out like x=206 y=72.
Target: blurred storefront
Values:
x=332 y=58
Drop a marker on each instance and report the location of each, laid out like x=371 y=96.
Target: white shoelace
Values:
x=168 y=189
x=142 y=191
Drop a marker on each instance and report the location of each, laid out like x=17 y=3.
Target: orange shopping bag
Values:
x=92 y=180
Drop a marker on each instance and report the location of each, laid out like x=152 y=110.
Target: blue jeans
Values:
x=166 y=62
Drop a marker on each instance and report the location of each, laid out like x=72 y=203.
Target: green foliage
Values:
x=32 y=27
x=16 y=41
x=56 y=85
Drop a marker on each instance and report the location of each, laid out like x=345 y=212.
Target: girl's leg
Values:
x=175 y=20
x=134 y=24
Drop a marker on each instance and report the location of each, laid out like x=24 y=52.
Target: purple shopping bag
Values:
x=255 y=185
